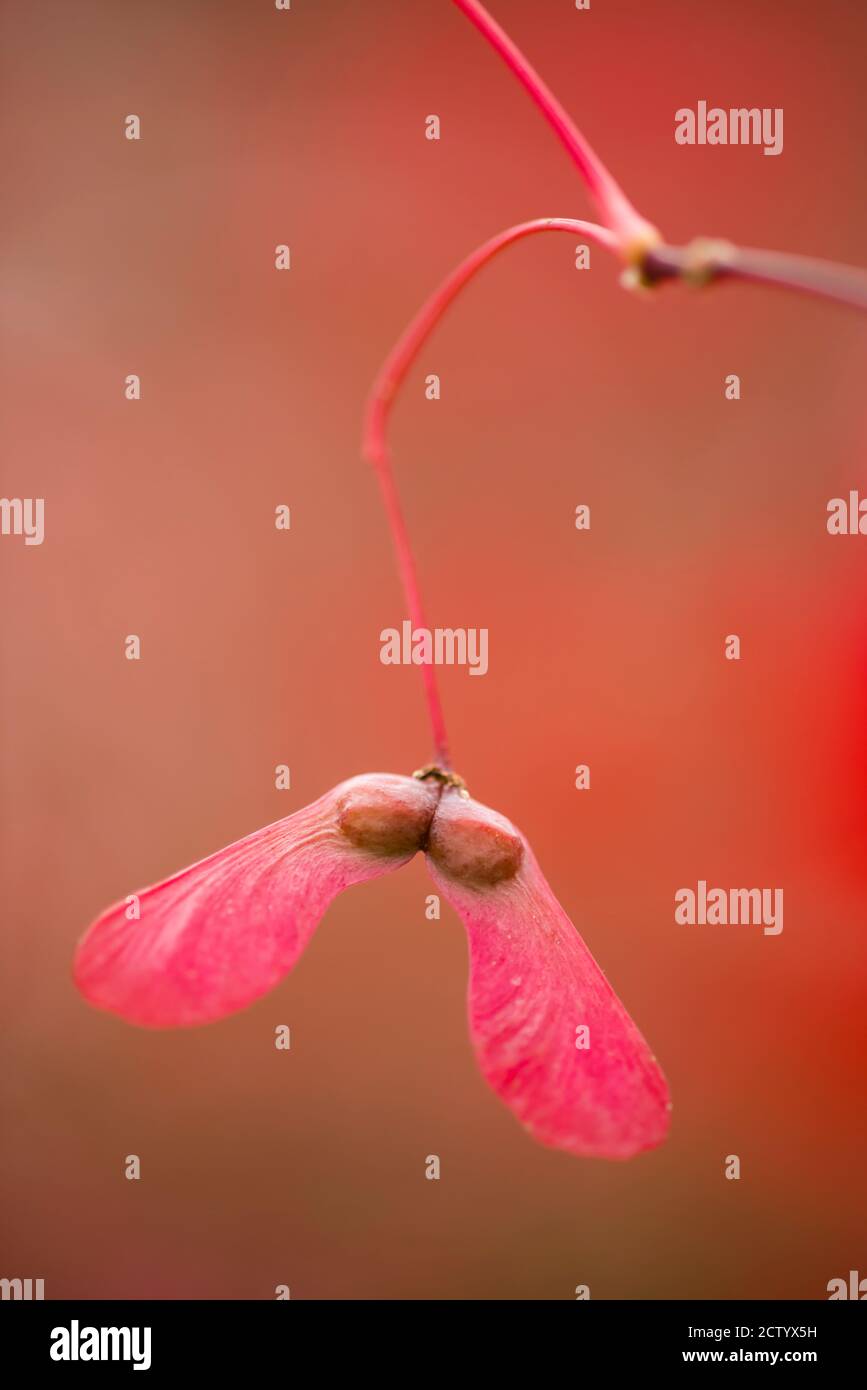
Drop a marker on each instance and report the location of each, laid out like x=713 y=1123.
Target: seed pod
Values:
x=386 y=814
x=533 y=985
x=218 y=935
x=472 y=843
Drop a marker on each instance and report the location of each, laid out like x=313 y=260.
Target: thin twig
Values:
x=705 y=261
x=634 y=233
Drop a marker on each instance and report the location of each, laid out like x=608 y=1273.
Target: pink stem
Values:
x=633 y=231
x=381 y=398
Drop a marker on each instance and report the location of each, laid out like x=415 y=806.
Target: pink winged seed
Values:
x=218 y=935
x=533 y=982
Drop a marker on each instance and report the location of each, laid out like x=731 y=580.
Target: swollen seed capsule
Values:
x=387 y=814
x=472 y=844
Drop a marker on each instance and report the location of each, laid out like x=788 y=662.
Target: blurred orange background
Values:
x=261 y=647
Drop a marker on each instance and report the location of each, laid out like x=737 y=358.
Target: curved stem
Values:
x=704 y=261
x=374 y=444
x=634 y=233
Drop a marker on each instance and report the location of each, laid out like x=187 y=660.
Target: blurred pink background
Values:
x=260 y=647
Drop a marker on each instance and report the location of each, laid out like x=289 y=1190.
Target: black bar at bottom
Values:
x=166 y=1338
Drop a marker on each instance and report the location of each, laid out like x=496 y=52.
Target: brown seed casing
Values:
x=387 y=814
x=474 y=844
